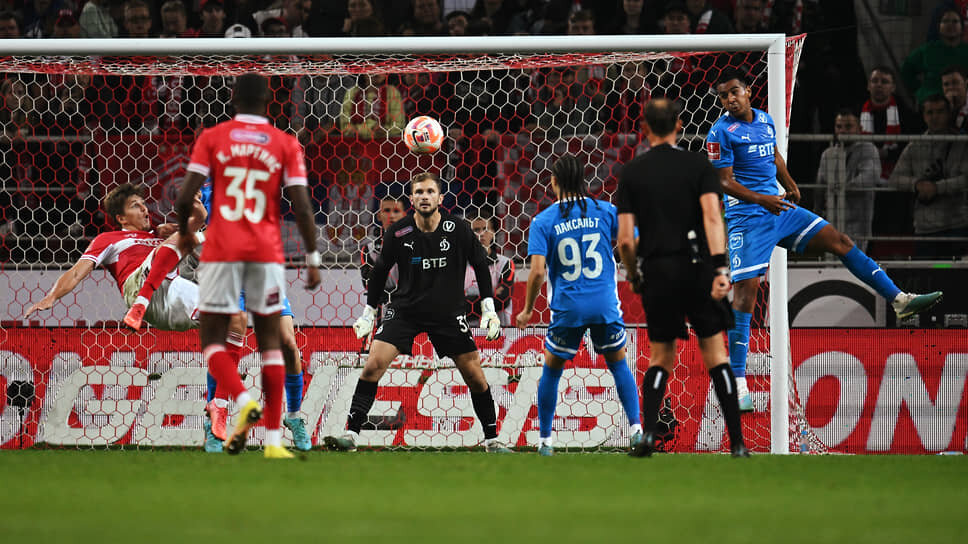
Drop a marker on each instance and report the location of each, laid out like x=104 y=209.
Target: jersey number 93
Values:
x=570 y=256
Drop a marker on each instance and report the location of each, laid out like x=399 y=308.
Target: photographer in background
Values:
x=936 y=172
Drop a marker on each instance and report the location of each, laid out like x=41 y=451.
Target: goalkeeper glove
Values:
x=364 y=324
x=489 y=319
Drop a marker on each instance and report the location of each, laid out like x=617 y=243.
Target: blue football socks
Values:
x=869 y=272
x=294 y=392
x=739 y=342
x=628 y=393
x=547 y=399
x=212 y=384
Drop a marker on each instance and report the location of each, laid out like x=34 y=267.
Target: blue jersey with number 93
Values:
x=582 y=288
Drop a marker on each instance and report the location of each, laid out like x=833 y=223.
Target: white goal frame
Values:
x=773 y=44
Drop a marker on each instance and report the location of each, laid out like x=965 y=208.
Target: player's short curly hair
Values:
x=114 y=201
x=424 y=176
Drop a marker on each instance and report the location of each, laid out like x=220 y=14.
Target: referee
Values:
x=431 y=250
x=673 y=196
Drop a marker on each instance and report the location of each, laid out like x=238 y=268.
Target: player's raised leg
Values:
x=381 y=355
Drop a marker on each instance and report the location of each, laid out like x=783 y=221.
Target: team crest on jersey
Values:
x=732 y=128
x=737 y=262
x=735 y=241
x=449 y=226
x=712 y=149
x=388 y=314
x=249 y=136
x=403 y=232
x=444 y=245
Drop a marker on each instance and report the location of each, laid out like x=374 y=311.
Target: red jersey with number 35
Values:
x=248 y=161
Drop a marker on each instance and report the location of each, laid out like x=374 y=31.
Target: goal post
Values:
x=511 y=137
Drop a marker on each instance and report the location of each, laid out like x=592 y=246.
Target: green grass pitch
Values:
x=189 y=496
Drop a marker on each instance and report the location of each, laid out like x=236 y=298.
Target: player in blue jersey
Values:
x=574 y=238
x=217 y=407
x=742 y=146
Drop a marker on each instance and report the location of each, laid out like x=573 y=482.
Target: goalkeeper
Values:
x=431 y=250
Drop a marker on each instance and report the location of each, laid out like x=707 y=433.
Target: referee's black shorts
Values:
x=675 y=288
x=450 y=335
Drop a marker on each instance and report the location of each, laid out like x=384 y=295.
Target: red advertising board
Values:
x=863 y=391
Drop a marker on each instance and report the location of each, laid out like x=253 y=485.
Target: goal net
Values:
x=81 y=117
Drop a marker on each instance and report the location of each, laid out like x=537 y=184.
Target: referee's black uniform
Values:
x=430 y=291
x=661 y=188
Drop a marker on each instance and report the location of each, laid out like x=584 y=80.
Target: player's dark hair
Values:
x=729 y=74
x=250 y=94
x=569 y=173
x=114 y=201
x=661 y=115
x=424 y=176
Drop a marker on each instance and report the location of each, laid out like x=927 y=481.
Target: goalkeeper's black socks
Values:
x=484 y=408
x=363 y=399
x=725 y=384
x=653 y=389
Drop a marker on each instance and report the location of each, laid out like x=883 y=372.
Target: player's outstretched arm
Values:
x=773 y=203
x=303 y=210
x=785 y=179
x=627 y=248
x=64 y=285
x=535 y=278
x=185 y=210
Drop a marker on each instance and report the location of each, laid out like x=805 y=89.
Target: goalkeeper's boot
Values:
x=212 y=443
x=545 y=450
x=645 y=447
x=134 y=317
x=300 y=438
x=250 y=414
x=347 y=442
x=746 y=403
x=219 y=416
x=493 y=445
x=739 y=451
x=908 y=304
x=636 y=439
x=278 y=452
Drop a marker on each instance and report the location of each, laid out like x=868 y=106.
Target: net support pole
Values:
x=779 y=320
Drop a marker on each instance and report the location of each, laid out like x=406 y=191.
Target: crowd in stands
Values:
x=504 y=125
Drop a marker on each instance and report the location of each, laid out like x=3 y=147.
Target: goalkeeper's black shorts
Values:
x=676 y=288
x=450 y=336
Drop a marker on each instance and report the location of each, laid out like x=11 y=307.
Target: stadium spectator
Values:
x=137 y=19
x=39 y=17
x=293 y=14
x=675 y=18
x=69 y=107
x=673 y=197
x=591 y=77
x=937 y=173
x=501 y=270
x=495 y=13
x=350 y=202
x=749 y=17
x=66 y=25
x=954 y=82
x=372 y=110
x=213 y=19
x=274 y=27
x=9 y=25
x=921 y=70
x=632 y=18
x=705 y=19
x=625 y=103
x=392 y=209
x=96 y=20
x=426 y=19
x=885 y=113
x=174 y=21
x=18 y=116
x=457 y=23
x=562 y=108
x=853 y=165
x=356 y=11
x=367 y=27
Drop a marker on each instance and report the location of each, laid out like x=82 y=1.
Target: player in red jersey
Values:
x=249 y=161
x=128 y=255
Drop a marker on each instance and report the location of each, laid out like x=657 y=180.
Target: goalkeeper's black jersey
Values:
x=431 y=267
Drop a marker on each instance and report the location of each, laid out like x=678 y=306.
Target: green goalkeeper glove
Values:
x=364 y=324
x=489 y=319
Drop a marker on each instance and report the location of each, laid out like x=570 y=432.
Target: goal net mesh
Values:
x=76 y=127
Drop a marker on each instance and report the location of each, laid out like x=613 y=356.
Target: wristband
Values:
x=314 y=260
x=719 y=261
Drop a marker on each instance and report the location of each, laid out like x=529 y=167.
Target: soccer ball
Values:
x=423 y=135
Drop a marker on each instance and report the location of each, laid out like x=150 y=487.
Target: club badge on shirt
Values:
x=712 y=149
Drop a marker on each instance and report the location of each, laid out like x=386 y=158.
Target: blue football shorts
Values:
x=286 y=307
x=565 y=341
x=752 y=239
